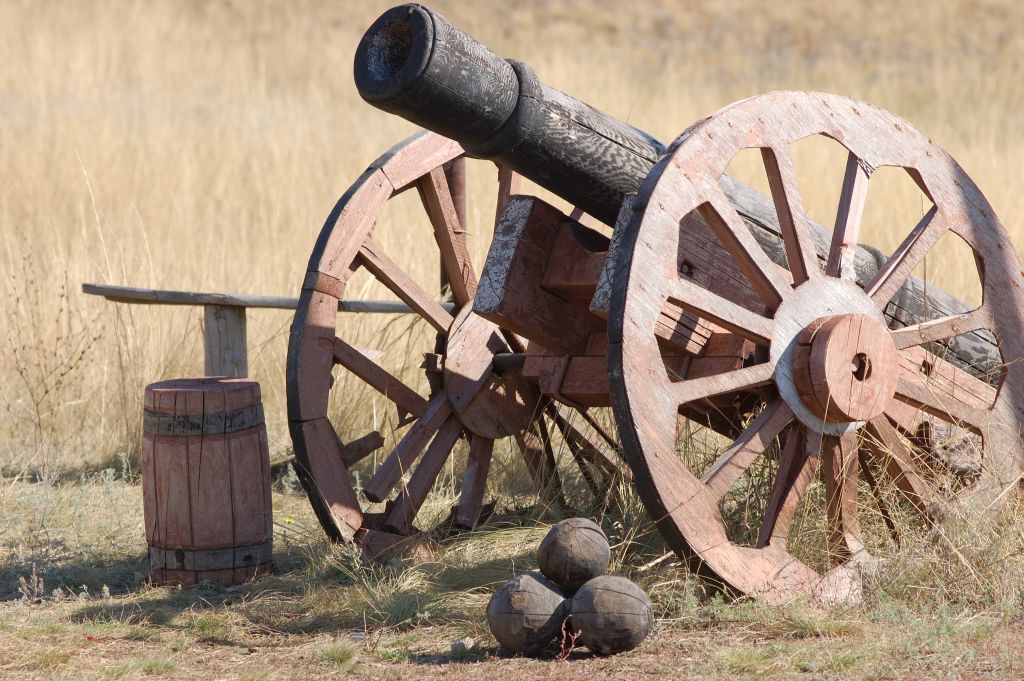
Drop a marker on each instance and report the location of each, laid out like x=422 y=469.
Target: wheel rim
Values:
x=467 y=400
x=688 y=181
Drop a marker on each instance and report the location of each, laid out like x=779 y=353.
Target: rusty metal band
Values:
x=217 y=423
x=210 y=559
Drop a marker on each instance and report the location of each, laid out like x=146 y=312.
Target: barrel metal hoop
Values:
x=210 y=559
x=216 y=423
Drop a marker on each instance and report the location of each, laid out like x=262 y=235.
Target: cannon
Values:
x=795 y=353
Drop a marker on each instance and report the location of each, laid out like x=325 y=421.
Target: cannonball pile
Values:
x=607 y=614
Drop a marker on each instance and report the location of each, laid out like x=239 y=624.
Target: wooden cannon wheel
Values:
x=468 y=397
x=842 y=393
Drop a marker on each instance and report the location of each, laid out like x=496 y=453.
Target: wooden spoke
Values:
x=895 y=272
x=941 y=389
x=585 y=456
x=895 y=456
x=535 y=446
x=751 y=443
x=392 y=276
x=474 y=484
x=789 y=207
x=727 y=314
x=360 y=448
x=943 y=328
x=408 y=449
x=509 y=183
x=797 y=468
x=409 y=502
x=450 y=235
x=727 y=224
x=739 y=380
x=876 y=492
x=378 y=378
x=593 y=442
x=848 y=219
x=839 y=472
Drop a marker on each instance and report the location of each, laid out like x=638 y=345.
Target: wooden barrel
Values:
x=206 y=481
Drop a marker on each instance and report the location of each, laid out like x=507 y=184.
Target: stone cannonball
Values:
x=526 y=613
x=611 y=615
x=574 y=551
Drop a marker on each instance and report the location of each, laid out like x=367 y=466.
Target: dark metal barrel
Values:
x=413 y=63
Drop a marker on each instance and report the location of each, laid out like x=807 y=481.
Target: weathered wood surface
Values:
x=930 y=393
x=468 y=392
x=224 y=341
x=147 y=296
x=206 y=481
x=436 y=76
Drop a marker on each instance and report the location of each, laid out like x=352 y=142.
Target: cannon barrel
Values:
x=413 y=63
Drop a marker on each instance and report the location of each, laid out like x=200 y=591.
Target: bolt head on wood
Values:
x=525 y=614
x=611 y=615
x=574 y=551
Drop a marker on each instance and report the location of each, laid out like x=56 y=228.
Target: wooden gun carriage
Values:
x=710 y=306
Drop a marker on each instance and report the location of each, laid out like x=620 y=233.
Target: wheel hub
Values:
x=488 y=404
x=844 y=367
x=810 y=306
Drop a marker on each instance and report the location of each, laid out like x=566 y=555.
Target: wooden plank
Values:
x=510 y=292
x=408 y=449
x=378 y=378
x=575 y=261
x=412 y=496
x=146 y=296
x=224 y=341
x=474 y=483
x=250 y=520
x=450 y=234
x=392 y=276
x=211 y=471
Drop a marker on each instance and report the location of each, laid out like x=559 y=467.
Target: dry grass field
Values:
x=200 y=145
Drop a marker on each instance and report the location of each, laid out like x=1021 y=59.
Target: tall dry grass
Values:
x=200 y=146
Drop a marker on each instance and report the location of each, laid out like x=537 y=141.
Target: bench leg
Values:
x=224 y=341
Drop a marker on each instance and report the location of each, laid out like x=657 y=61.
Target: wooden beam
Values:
x=147 y=296
x=224 y=341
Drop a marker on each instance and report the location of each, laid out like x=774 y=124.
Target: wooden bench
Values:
x=224 y=336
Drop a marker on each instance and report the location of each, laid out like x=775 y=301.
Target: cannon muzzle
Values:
x=413 y=63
